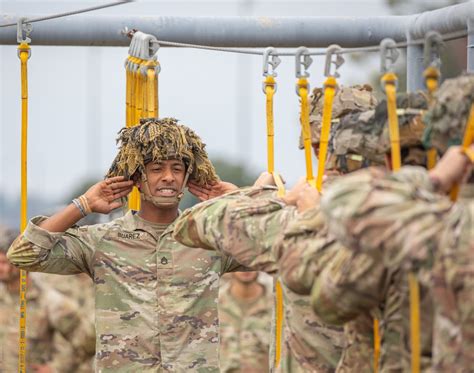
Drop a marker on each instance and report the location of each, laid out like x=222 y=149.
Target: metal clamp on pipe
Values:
x=333 y=57
x=270 y=59
x=23 y=31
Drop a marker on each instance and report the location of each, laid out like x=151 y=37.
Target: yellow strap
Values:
x=329 y=91
x=303 y=88
x=269 y=92
x=151 y=83
x=128 y=95
x=468 y=139
x=278 y=322
x=389 y=80
x=414 y=322
x=376 y=345
x=431 y=75
x=24 y=50
x=431 y=158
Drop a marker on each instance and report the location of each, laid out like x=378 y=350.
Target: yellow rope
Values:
x=376 y=345
x=431 y=75
x=269 y=92
x=303 y=88
x=24 y=51
x=329 y=91
x=389 y=80
x=278 y=322
x=468 y=139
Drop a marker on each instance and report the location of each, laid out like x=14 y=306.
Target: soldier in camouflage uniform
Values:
x=246 y=224
x=156 y=300
x=305 y=248
x=404 y=221
x=48 y=313
x=356 y=283
x=245 y=315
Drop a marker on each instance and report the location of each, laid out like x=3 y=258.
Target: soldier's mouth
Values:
x=166 y=192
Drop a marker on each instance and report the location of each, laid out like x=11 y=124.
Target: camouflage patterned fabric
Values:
x=447 y=118
x=245 y=226
x=244 y=331
x=156 y=300
x=415 y=230
x=346 y=100
x=80 y=289
x=48 y=313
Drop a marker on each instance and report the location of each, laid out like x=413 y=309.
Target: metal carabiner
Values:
x=274 y=62
x=432 y=48
x=23 y=27
x=388 y=52
x=302 y=52
x=332 y=50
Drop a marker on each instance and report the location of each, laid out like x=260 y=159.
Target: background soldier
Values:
x=48 y=313
x=245 y=315
x=245 y=225
x=409 y=226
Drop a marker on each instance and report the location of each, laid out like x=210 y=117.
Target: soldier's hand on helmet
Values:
x=292 y=195
x=205 y=192
x=308 y=198
x=105 y=196
x=452 y=168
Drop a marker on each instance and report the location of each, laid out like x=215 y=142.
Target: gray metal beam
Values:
x=415 y=80
x=260 y=32
x=89 y=30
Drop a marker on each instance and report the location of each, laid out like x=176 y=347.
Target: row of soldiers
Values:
x=343 y=257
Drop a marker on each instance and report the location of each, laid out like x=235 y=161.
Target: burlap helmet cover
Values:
x=447 y=118
x=347 y=100
x=411 y=107
x=161 y=139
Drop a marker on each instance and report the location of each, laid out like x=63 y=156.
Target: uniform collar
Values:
x=133 y=222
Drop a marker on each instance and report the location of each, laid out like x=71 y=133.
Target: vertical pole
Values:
x=470 y=45
x=415 y=78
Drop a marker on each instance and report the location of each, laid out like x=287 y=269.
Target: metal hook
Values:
x=388 y=52
x=305 y=62
x=332 y=50
x=432 y=48
x=274 y=62
x=23 y=27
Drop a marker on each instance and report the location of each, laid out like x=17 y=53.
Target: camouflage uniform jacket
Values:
x=80 y=289
x=156 y=300
x=305 y=249
x=244 y=332
x=398 y=220
x=48 y=313
x=245 y=225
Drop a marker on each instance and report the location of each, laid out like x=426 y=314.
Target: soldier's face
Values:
x=7 y=271
x=245 y=277
x=165 y=178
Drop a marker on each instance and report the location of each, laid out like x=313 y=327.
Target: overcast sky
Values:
x=77 y=95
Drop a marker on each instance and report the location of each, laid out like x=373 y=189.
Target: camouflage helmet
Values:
x=7 y=236
x=446 y=120
x=160 y=139
x=346 y=100
x=353 y=144
x=410 y=109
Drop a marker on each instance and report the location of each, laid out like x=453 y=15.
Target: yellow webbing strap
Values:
x=376 y=345
x=24 y=54
x=468 y=139
x=431 y=75
x=389 y=81
x=269 y=84
x=128 y=94
x=414 y=322
x=303 y=88
x=151 y=107
x=329 y=91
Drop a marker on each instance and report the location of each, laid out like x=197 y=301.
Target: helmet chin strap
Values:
x=162 y=201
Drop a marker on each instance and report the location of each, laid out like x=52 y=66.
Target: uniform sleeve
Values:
x=351 y=284
x=76 y=329
x=239 y=227
x=396 y=213
x=64 y=253
x=303 y=251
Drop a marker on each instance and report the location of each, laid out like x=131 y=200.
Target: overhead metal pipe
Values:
x=470 y=45
x=314 y=32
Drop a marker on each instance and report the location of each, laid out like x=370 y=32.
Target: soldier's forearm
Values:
x=62 y=220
